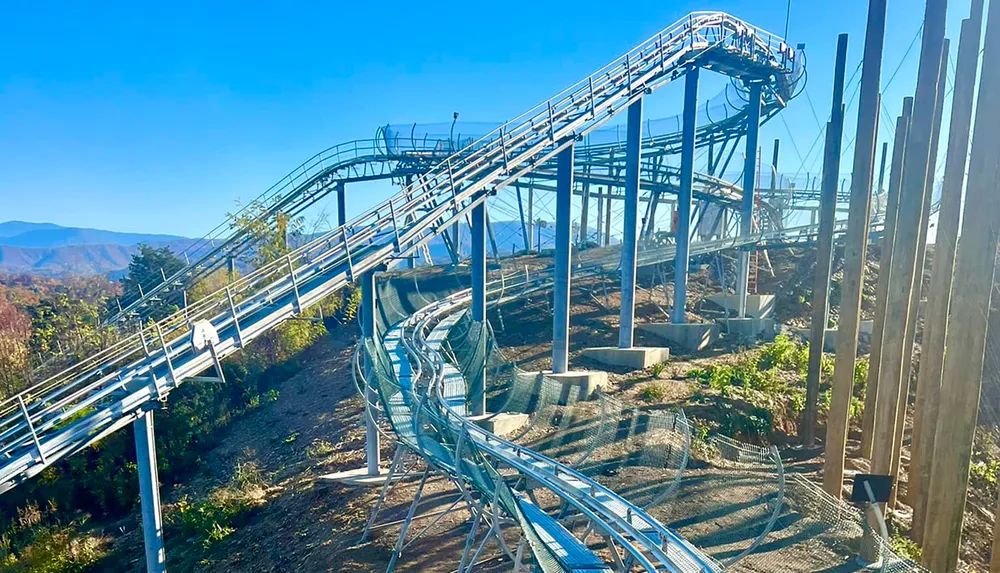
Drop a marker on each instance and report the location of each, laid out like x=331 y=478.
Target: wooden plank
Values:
x=856 y=243
x=904 y=248
x=918 y=278
x=936 y=322
x=970 y=303
x=882 y=288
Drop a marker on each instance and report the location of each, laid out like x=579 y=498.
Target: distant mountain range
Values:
x=52 y=250
x=49 y=249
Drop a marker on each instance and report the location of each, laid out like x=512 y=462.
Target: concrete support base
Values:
x=830 y=334
x=578 y=384
x=501 y=424
x=758 y=305
x=635 y=358
x=358 y=477
x=750 y=328
x=693 y=335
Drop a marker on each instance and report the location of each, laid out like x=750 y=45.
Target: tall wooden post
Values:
x=970 y=303
x=882 y=288
x=918 y=278
x=904 y=248
x=936 y=321
x=856 y=244
x=824 y=243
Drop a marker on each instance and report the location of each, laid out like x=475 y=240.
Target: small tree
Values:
x=146 y=270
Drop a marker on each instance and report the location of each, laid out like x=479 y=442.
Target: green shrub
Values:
x=754 y=424
x=225 y=509
x=658 y=369
x=655 y=392
x=905 y=547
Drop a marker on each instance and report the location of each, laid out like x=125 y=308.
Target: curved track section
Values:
x=642 y=540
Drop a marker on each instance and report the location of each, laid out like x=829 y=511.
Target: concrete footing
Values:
x=578 y=384
x=758 y=305
x=693 y=336
x=750 y=328
x=635 y=358
x=359 y=477
x=830 y=334
x=501 y=424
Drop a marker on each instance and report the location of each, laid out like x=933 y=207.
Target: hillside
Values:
x=52 y=250
x=47 y=249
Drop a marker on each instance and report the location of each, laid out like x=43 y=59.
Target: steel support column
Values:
x=524 y=226
x=600 y=215
x=584 y=205
x=149 y=493
x=477 y=394
x=368 y=302
x=341 y=205
x=683 y=234
x=563 y=247
x=749 y=183
x=630 y=244
x=531 y=215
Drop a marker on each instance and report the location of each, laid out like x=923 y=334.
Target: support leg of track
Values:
x=630 y=245
x=584 y=207
x=749 y=183
x=149 y=494
x=477 y=390
x=560 y=294
x=683 y=253
x=398 y=550
x=393 y=468
x=368 y=331
x=341 y=205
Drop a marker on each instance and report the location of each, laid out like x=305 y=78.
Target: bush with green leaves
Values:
x=654 y=392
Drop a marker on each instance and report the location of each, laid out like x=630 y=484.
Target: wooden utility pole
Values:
x=970 y=304
x=936 y=322
x=824 y=243
x=856 y=243
x=904 y=248
x=882 y=288
x=918 y=277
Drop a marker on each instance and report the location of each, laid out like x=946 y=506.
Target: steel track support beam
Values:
x=630 y=243
x=524 y=226
x=477 y=394
x=531 y=214
x=368 y=302
x=749 y=183
x=584 y=207
x=149 y=493
x=683 y=234
x=824 y=245
x=341 y=204
x=563 y=247
x=600 y=215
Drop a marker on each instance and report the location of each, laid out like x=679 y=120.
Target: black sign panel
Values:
x=881 y=487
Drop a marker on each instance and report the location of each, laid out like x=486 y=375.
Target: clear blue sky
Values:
x=156 y=117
